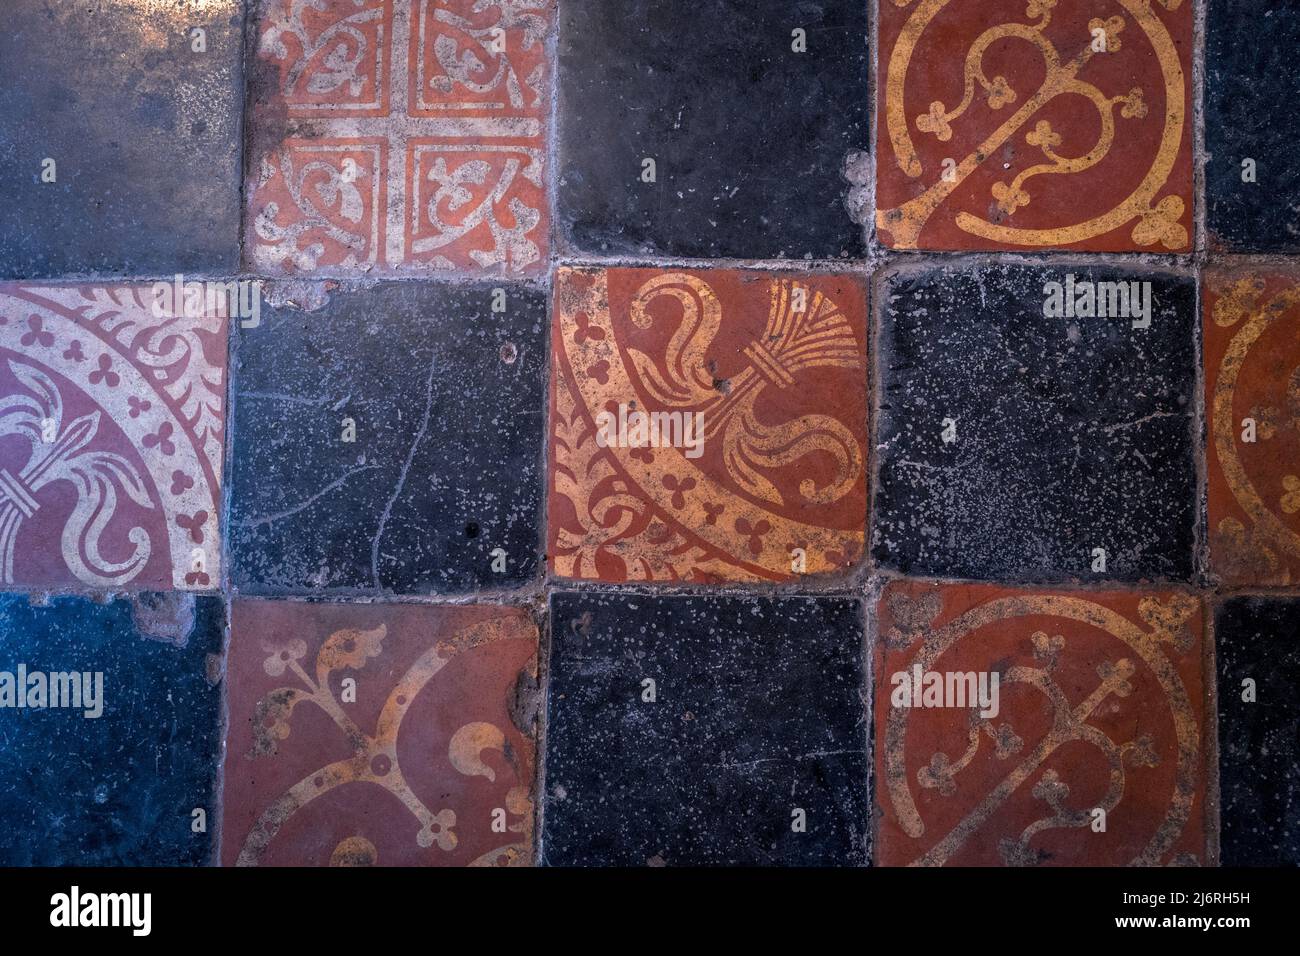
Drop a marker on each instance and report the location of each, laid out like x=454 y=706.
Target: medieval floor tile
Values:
x=112 y=426
x=1036 y=423
x=399 y=136
x=1258 y=661
x=705 y=731
x=1035 y=124
x=119 y=137
x=707 y=425
x=389 y=735
x=1252 y=172
x=1023 y=727
x=389 y=442
x=722 y=128
x=110 y=716
x=1252 y=407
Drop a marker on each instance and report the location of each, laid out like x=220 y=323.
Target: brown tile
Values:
x=1252 y=406
x=763 y=477
x=111 y=437
x=1001 y=127
x=1100 y=705
x=399 y=135
x=420 y=762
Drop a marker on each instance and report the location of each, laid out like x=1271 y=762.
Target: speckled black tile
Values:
x=142 y=129
x=757 y=728
x=1259 y=739
x=1252 y=85
x=117 y=779
x=388 y=441
x=1015 y=444
x=757 y=147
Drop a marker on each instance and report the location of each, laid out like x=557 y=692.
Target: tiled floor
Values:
x=569 y=433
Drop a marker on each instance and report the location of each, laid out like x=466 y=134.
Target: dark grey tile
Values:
x=1252 y=171
x=749 y=138
x=1069 y=435
x=1259 y=738
x=116 y=780
x=443 y=401
x=757 y=724
x=144 y=132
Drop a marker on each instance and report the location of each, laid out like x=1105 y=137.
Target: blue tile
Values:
x=753 y=750
x=1252 y=85
x=1259 y=739
x=439 y=488
x=756 y=114
x=119 y=787
x=143 y=130
x=1017 y=443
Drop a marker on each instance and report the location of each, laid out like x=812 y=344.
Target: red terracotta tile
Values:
x=1100 y=706
x=419 y=762
x=1252 y=406
x=770 y=482
x=399 y=136
x=1001 y=127
x=111 y=437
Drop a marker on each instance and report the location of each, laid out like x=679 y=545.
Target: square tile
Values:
x=1258 y=661
x=692 y=731
x=754 y=114
x=110 y=715
x=389 y=440
x=1089 y=753
x=1035 y=124
x=120 y=137
x=399 y=136
x=707 y=425
x=1020 y=443
x=380 y=735
x=1252 y=174
x=1252 y=407
x=111 y=436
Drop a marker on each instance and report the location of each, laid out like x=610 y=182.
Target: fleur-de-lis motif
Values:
x=802 y=333
x=97 y=477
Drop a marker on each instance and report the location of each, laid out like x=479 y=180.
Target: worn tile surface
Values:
x=379 y=735
x=1015 y=445
x=143 y=131
x=112 y=425
x=761 y=475
x=114 y=781
x=759 y=151
x=1034 y=124
x=399 y=135
x=1252 y=406
x=389 y=441
x=1100 y=707
x=1258 y=657
x=1252 y=172
x=753 y=750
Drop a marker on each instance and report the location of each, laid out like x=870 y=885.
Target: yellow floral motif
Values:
x=1162 y=225
x=1291 y=500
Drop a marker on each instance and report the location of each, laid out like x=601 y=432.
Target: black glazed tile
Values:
x=443 y=399
x=756 y=147
x=143 y=130
x=1259 y=776
x=1070 y=435
x=117 y=780
x=757 y=723
x=1252 y=84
